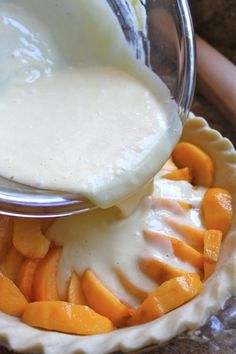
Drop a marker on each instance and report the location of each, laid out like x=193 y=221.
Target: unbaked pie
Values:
x=169 y=278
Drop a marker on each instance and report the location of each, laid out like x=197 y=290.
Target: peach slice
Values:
x=209 y=269
x=66 y=317
x=193 y=236
x=12 y=301
x=159 y=271
x=74 y=291
x=185 y=206
x=182 y=250
x=158 y=239
x=187 y=253
x=170 y=295
x=45 y=277
x=25 y=277
x=149 y=310
x=11 y=263
x=28 y=238
x=217 y=209
x=212 y=244
x=201 y=165
x=6 y=227
x=130 y=287
x=183 y=174
x=102 y=300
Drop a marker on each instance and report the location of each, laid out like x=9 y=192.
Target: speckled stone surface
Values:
x=215 y=20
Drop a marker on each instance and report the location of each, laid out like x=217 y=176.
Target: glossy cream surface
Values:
x=100 y=138
x=78 y=112
x=105 y=242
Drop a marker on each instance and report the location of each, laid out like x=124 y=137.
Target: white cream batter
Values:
x=103 y=241
x=96 y=131
x=78 y=112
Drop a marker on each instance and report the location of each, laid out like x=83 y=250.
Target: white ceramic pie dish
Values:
x=218 y=288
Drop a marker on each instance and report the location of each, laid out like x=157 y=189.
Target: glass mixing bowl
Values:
x=167 y=47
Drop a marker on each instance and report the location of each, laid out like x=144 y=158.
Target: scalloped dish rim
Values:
x=218 y=288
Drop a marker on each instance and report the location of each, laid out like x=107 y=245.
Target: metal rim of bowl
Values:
x=54 y=204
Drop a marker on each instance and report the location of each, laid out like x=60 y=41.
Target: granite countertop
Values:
x=215 y=20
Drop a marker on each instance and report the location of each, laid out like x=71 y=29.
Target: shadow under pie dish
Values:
x=219 y=287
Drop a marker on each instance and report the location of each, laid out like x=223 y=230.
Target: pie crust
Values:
x=218 y=288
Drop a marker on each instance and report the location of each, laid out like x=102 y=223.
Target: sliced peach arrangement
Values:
x=29 y=263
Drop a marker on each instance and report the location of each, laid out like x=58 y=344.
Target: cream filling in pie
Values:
x=108 y=244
